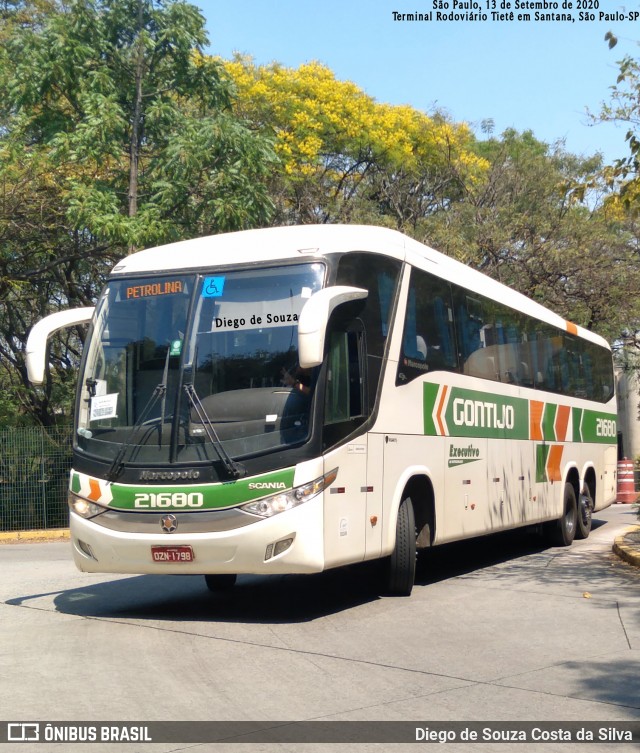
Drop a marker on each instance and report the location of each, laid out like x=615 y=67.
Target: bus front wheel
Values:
x=401 y=566
x=562 y=532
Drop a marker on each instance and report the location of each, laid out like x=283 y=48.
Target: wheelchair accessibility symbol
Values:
x=212 y=287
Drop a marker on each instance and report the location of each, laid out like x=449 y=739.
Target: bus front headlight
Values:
x=84 y=507
x=277 y=503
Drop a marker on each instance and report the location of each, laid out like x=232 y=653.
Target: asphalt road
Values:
x=500 y=628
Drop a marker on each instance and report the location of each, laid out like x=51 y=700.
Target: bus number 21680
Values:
x=149 y=500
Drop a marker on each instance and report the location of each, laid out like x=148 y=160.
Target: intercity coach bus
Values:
x=294 y=399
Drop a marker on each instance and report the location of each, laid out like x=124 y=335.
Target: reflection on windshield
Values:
x=245 y=337
x=236 y=354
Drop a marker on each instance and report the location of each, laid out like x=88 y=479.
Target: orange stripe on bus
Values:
x=572 y=329
x=440 y=407
x=536 y=409
x=554 y=462
x=562 y=422
x=95 y=493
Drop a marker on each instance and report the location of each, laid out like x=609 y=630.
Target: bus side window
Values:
x=379 y=276
x=345 y=398
x=345 y=392
x=428 y=342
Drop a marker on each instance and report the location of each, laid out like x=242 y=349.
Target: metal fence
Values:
x=34 y=477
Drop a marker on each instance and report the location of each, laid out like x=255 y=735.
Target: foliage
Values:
x=528 y=224
x=346 y=157
x=115 y=133
x=118 y=94
x=622 y=205
x=118 y=132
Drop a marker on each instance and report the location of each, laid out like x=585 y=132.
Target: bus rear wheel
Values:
x=220 y=582
x=585 y=514
x=562 y=532
x=401 y=566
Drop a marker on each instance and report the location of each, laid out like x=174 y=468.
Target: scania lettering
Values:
x=296 y=399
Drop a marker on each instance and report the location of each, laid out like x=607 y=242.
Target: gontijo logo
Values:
x=455 y=412
x=484 y=414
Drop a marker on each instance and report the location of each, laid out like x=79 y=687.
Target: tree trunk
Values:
x=136 y=121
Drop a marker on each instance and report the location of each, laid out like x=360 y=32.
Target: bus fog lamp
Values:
x=86 y=549
x=282 y=546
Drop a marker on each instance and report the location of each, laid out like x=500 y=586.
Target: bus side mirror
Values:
x=36 y=352
x=314 y=317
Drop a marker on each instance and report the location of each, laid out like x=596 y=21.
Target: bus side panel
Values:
x=405 y=457
x=375 y=496
x=467 y=508
x=606 y=488
x=510 y=484
x=345 y=504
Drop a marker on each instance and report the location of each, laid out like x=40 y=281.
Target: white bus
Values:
x=294 y=399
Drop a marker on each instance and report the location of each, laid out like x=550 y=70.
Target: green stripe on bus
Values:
x=542 y=454
x=471 y=413
x=576 y=415
x=428 y=404
x=549 y=422
x=214 y=496
x=599 y=427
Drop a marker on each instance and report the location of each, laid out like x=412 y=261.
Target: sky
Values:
x=542 y=76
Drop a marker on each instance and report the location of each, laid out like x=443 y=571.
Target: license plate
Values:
x=172 y=554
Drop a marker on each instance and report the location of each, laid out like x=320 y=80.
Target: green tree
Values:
x=115 y=133
x=530 y=224
x=121 y=96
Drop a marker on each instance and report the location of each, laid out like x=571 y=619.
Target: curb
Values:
x=14 y=537
x=625 y=551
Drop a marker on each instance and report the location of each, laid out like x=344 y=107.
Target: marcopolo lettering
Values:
x=478 y=413
x=169 y=475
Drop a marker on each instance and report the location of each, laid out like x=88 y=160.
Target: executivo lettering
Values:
x=462 y=455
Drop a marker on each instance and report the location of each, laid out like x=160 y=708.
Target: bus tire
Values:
x=585 y=514
x=561 y=532
x=401 y=566
x=220 y=582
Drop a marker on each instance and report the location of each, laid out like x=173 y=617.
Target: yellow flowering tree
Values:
x=344 y=156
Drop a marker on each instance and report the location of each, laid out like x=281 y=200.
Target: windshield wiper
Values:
x=115 y=469
x=232 y=467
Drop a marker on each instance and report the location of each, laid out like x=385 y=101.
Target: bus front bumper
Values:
x=290 y=542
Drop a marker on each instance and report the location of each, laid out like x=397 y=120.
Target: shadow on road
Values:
x=291 y=598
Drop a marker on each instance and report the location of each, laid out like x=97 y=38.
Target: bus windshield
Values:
x=188 y=368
